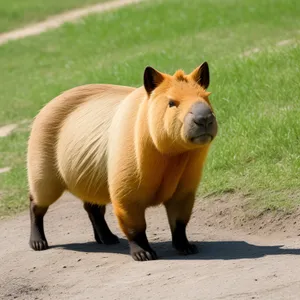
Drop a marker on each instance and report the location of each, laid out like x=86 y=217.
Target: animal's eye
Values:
x=172 y=103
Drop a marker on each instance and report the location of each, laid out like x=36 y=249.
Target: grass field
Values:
x=15 y=14
x=256 y=97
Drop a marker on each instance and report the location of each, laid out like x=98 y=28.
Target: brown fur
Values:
x=109 y=143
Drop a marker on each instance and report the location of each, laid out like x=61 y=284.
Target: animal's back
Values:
x=67 y=146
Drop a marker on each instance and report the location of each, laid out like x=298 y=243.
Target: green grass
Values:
x=256 y=98
x=14 y=14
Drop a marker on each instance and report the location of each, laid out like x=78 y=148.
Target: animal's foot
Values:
x=139 y=254
x=38 y=245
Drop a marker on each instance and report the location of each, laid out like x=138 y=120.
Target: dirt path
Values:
x=231 y=264
x=58 y=20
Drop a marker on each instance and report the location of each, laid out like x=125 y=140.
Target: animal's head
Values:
x=180 y=116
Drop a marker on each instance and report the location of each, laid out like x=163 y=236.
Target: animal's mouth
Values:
x=202 y=138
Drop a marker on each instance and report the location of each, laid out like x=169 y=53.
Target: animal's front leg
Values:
x=132 y=222
x=179 y=211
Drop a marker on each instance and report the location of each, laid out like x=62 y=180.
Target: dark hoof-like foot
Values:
x=140 y=254
x=187 y=249
x=143 y=255
x=110 y=239
x=38 y=245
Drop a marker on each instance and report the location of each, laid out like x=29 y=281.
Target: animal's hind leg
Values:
x=37 y=235
x=102 y=232
x=41 y=198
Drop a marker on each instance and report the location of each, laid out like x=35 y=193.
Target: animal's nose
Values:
x=203 y=116
x=204 y=121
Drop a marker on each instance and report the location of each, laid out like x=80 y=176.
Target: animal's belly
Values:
x=96 y=195
x=82 y=152
x=86 y=177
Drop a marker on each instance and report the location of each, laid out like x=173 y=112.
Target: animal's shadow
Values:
x=226 y=250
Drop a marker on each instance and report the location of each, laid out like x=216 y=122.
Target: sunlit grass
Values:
x=256 y=98
x=15 y=14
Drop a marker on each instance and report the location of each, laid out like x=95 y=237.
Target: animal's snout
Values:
x=202 y=115
x=204 y=120
x=200 y=123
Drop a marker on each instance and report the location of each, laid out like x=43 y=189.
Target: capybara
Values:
x=132 y=147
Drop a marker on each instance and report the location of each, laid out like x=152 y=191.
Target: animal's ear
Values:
x=201 y=75
x=152 y=78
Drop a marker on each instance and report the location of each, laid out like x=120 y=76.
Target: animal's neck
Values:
x=158 y=173
x=163 y=144
x=144 y=144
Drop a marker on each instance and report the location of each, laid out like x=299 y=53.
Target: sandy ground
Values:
x=230 y=265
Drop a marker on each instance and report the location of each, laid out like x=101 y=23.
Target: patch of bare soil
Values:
x=4 y=170
x=231 y=264
x=7 y=129
x=230 y=212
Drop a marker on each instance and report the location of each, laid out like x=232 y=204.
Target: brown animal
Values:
x=133 y=147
